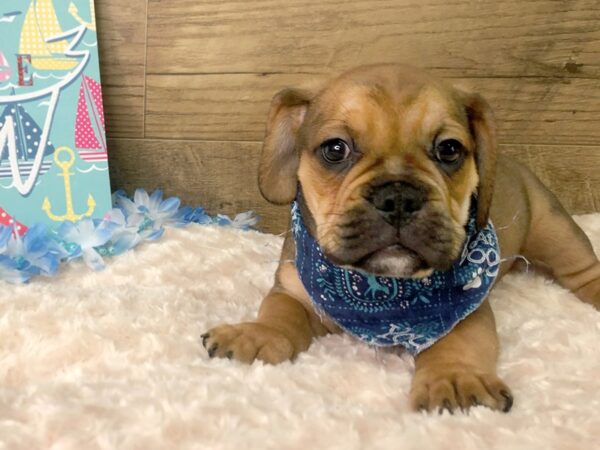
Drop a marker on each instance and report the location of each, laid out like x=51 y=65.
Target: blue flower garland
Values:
x=40 y=251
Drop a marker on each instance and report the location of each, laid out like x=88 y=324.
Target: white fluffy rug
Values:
x=112 y=360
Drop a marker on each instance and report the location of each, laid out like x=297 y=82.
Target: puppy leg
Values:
x=459 y=371
x=556 y=241
x=281 y=331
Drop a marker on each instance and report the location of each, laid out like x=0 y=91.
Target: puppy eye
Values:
x=448 y=151
x=335 y=151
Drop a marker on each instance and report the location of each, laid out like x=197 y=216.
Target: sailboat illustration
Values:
x=27 y=136
x=8 y=221
x=89 y=123
x=39 y=28
x=20 y=133
x=5 y=70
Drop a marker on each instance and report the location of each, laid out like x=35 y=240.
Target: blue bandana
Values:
x=385 y=311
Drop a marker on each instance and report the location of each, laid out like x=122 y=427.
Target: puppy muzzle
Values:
x=396 y=232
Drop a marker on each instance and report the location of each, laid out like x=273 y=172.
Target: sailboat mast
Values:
x=19 y=125
x=94 y=112
x=22 y=142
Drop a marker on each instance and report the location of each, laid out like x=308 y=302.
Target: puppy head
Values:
x=387 y=158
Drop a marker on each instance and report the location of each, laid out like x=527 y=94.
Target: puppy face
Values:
x=387 y=158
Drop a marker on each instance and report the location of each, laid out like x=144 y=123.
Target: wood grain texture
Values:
x=459 y=38
x=221 y=176
x=195 y=88
x=122 y=45
x=214 y=65
x=571 y=172
x=234 y=106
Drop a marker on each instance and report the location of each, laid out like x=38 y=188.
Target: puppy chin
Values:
x=394 y=261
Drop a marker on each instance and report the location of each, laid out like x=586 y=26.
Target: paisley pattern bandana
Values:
x=385 y=311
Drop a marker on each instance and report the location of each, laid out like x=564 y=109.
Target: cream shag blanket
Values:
x=112 y=360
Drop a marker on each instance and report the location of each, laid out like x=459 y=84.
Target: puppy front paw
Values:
x=590 y=293
x=248 y=341
x=451 y=388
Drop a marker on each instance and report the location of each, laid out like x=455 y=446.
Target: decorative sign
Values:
x=53 y=156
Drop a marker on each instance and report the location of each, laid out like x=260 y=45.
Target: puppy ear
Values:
x=277 y=172
x=483 y=129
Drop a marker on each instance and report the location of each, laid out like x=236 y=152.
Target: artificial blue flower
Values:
x=120 y=200
x=245 y=220
x=64 y=251
x=9 y=269
x=160 y=212
x=125 y=235
x=180 y=218
x=123 y=227
x=31 y=252
x=242 y=221
x=222 y=220
x=10 y=273
x=133 y=214
x=196 y=215
x=87 y=234
x=151 y=211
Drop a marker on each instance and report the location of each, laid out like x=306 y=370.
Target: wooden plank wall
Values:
x=188 y=82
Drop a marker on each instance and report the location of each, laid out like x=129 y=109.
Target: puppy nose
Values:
x=397 y=201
